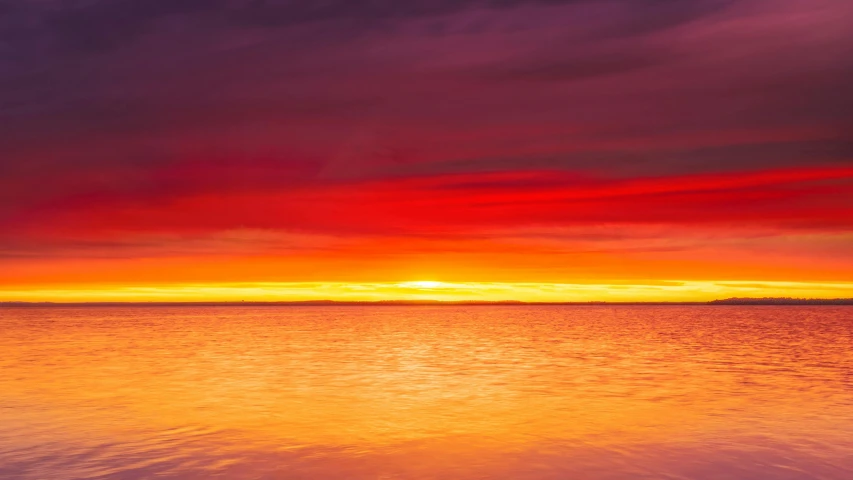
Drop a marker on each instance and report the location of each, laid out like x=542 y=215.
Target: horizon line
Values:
x=426 y=302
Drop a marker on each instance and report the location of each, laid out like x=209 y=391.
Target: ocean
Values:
x=427 y=392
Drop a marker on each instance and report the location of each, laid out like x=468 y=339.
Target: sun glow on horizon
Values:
x=652 y=290
x=425 y=284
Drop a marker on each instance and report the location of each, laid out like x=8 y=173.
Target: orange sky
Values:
x=540 y=235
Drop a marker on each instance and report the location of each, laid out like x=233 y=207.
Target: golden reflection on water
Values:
x=427 y=392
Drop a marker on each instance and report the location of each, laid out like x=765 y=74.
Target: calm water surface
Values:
x=427 y=392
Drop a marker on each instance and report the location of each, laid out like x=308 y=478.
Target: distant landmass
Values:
x=309 y=303
x=783 y=301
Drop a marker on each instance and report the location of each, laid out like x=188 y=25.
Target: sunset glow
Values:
x=426 y=239
x=473 y=143
x=680 y=291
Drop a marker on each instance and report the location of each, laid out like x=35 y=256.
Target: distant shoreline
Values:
x=415 y=303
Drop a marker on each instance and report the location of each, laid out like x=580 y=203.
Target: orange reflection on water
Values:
x=427 y=392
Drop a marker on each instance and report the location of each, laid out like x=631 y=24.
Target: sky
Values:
x=453 y=149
